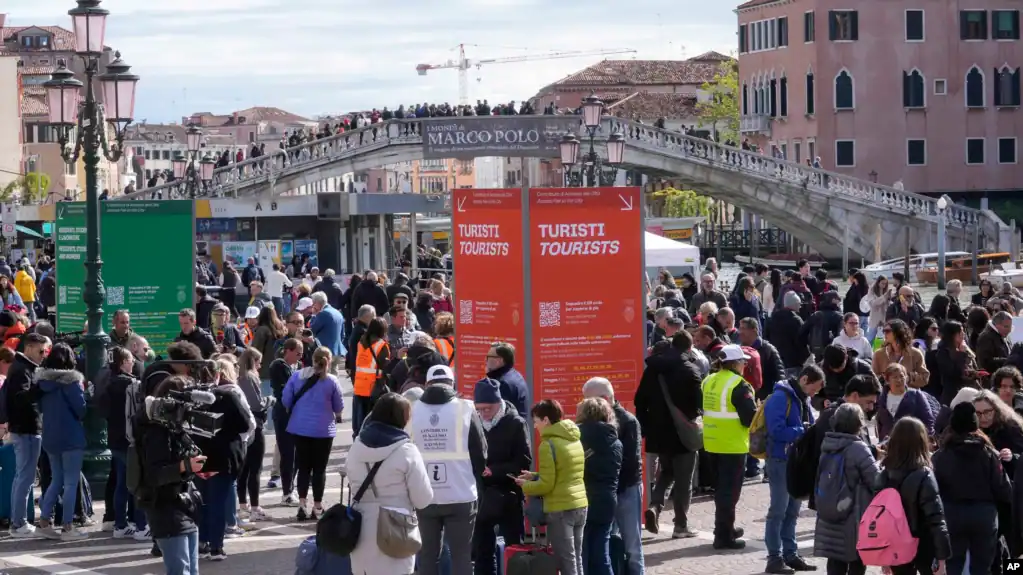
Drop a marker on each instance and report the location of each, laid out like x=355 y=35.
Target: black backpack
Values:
x=807 y=307
x=801 y=467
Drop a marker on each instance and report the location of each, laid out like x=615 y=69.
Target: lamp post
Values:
x=188 y=169
x=592 y=172
x=82 y=130
x=942 y=205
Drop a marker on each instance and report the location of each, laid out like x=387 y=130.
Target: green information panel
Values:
x=148 y=252
x=70 y=254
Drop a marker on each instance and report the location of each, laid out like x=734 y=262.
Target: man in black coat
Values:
x=670 y=370
x=771 y=367
x=194 y=334
x=840 y=365
x=508 y=453
x=783 y=332
x=369 y=292
x=824 y=325
x=400 y=286
x=329 y=286
x=630 y=478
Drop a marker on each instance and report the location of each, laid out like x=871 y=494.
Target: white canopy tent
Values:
x=662 y=252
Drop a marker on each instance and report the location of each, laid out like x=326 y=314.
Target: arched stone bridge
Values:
x=822 y=209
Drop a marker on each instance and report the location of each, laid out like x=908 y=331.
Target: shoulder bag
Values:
x=690 y=431
x=338 y=529
x=380 y=387
x=398 y=534
x=534 y=504
x=309 y=383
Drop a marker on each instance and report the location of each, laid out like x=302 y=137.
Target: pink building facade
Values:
x=923 y=93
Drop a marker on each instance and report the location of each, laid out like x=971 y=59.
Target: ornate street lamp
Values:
x=187 y=165
x=82 y=131
x=206 y=167
x=592 y=171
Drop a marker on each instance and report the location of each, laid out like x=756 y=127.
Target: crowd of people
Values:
x=869 y=394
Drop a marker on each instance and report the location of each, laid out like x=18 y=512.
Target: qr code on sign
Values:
x=550 y=314
x=115 y=295
x=465 y=311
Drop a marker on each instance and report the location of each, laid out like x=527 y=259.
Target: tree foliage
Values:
x=29 y=188
x=721 y=109
x=685 y=203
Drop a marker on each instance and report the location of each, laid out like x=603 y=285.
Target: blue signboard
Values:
x=215 y=225
x=307 y=247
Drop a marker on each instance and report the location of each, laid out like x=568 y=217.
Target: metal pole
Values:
x=95 y=340
x=413 y=251
x=527 y=298
x=974 y=276
x=845 y=251
x=905 y=261
x=941 y=249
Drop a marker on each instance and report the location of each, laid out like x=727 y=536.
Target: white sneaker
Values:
x=257 y=514
x=289 y=500
x=49 y=531
x=233 y=532
x=73 y=534
x=25 y=531
x=143 y=536
x=108 y=526
x=124 y=533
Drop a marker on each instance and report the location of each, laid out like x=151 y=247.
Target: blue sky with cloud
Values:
x=316 y=57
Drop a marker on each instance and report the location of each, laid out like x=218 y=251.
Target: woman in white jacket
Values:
x=880 y=297
x=400 y=483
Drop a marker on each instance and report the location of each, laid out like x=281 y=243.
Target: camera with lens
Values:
x=185 y=410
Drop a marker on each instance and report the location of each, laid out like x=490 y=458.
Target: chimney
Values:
x=236 y=118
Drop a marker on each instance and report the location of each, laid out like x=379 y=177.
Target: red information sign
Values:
x=586 y=268
x=488 y=258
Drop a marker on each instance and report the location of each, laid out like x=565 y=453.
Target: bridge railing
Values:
x=740 y=160
x=279 y=161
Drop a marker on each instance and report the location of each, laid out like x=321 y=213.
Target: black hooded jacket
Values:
x=508 y=451
x=783 y=332
x=21 y=408
x=682 y=379
x=835 y=382
x=603 y=465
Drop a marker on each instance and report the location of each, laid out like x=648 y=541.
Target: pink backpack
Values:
x=884 y=538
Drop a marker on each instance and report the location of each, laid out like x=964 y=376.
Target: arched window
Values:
x=975 y=88
x=1007 y=87
x=844 y=97
x=809 y=93
x=783 y=96
x=913 y=93
x=745 y=100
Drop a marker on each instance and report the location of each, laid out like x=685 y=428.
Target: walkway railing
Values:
x=675 y=144
x=267 y=169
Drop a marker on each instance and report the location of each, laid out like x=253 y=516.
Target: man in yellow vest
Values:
x=728 y=410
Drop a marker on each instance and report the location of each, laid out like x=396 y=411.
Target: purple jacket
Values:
x=313 y=414
x=914 y=404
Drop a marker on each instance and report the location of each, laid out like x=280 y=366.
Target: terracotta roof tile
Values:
x=647 y=72
x=63 y=39
x=754 y=3
x=268 y=114
x=36 y=70
x=649 y=106
x=32 y=105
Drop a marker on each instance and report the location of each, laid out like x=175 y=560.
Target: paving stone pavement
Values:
x=270 y=549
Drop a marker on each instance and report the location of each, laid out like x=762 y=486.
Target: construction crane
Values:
x=463 y=64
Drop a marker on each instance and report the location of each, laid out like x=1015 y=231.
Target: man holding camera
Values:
x=160 y=471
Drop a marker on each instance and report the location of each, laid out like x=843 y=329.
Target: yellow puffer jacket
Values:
x=25 y=286
x=560 y=473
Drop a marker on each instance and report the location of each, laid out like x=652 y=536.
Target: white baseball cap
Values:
x=732 y=352
x=440 y=374
x=252 y=312
x=303 y=304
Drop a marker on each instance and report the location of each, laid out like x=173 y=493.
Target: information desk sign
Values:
x=586 y=284
x=488 y=257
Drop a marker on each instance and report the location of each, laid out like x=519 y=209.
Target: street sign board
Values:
x=488 y=254
x=583 y=329
x=148 y=252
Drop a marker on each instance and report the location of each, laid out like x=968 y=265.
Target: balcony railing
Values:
x=755 y=124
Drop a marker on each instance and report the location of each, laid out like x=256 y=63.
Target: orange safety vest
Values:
x=366 y=369
x=446 y=348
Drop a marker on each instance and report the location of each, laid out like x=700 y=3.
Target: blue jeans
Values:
x=628 y=520
x=26 y=453
x=66 y=467
x=121 y=494
x=232 y=505
x=780 y=529
x=213 y=515
x=596 y=548
x=180 y=554
x=8 y=468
